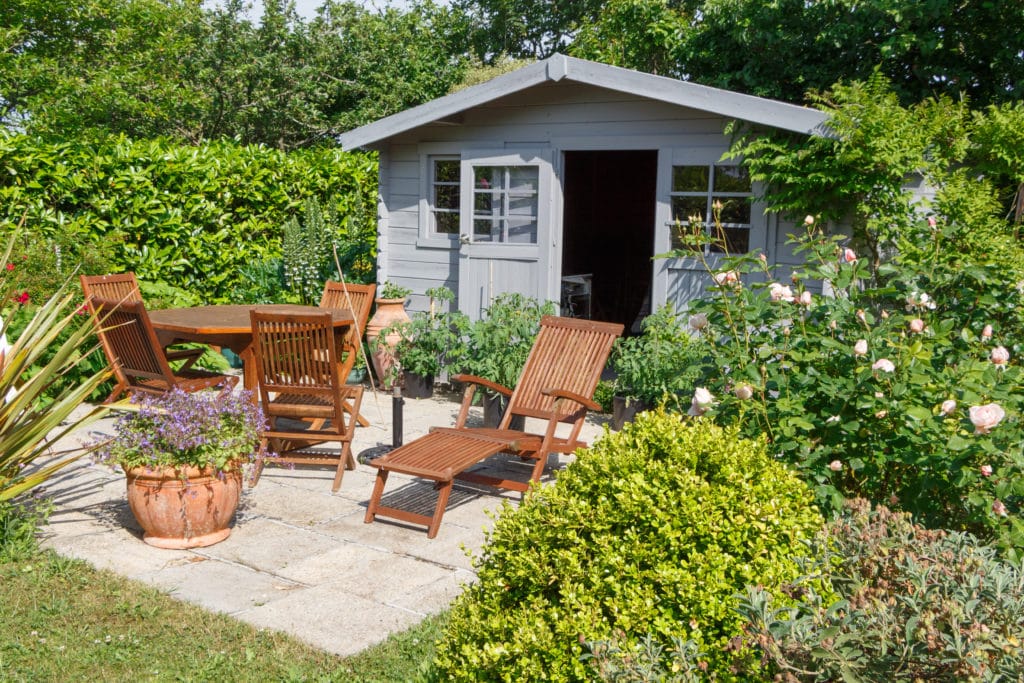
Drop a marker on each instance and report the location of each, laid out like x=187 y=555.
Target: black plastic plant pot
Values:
x=625 y=409
x=494 y=409
x=417 y=386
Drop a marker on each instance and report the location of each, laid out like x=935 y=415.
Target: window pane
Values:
x=734 y=210
x=523 y=179
x=689 y=178
x=737 y=241
x=731 y=179
x=446 y=171
x=446 y=197
x=684 y=207
x=446 y=223
x=522 y=230
x=483 y=202
x=484 y=230
x=487 y=177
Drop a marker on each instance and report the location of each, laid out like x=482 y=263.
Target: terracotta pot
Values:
x=389 y=312
x=189 y=513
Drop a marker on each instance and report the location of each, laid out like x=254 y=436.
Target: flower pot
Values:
x=183 y=513
x=389 y=312
x=416 y=385
x=495 y=406
x=624 y=409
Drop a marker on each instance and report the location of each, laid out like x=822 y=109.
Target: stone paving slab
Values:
x=300 y=559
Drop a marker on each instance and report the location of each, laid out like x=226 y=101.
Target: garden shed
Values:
x=561 y=181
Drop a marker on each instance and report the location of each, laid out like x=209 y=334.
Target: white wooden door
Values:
x=505 y=226
x=691 y=182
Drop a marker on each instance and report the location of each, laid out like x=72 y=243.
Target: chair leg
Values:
x=378 y=491
x=444 y=491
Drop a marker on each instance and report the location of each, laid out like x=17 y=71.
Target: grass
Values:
x=62 y=620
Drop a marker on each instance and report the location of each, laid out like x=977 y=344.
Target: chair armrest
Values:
x=486 y=383
x=573 y=396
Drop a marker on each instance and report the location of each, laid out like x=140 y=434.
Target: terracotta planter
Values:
x=389 y=312
x=181 y=514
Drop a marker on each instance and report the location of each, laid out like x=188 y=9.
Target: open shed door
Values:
x=505 y=227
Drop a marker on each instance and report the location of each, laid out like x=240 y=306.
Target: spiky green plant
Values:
x=30 y=422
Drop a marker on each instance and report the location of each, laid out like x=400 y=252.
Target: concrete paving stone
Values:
x=436 y=596
x=267 y=545
x=219 y=586
x=299 y=507
x=326 y=618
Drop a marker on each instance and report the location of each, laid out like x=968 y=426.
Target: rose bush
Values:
x=902 y=386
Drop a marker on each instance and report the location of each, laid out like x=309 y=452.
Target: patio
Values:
x=300 y=559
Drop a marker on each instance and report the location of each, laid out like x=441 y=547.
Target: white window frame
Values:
x=428 y=237
x=710 y=195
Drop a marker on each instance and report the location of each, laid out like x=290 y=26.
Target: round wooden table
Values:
x=229 y=326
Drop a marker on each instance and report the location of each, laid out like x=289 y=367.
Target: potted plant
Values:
x=183 y=456
x=660 y=365
x=429 y=342
x=499 y=342
x=390 y=313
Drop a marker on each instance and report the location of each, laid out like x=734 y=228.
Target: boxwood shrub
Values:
x=654 y=531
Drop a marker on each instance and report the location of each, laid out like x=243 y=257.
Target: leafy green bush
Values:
x=913 y=605
x=430 y=340
x=189 y=216
x=653 y=531
x=662 y=364
x=500 y=341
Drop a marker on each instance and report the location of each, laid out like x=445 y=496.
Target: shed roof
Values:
x=561 y=67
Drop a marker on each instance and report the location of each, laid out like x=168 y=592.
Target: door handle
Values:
x=463 y=239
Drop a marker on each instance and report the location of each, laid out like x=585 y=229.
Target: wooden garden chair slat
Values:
x=302 y=390
x=359 y=300
x=140 y=364
x=557 y=384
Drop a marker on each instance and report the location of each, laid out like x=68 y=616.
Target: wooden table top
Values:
x=231 y=318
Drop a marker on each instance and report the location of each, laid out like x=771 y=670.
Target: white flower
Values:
x=917 y=326
x=726 y=277
x=948 y=407
x=986 y=333
x=702 y=400
x=883 y=364
x=808 y=220
x=834 y=418
x=805 y=298
x=999 y=508
x=743 y=391
x=861 y=347
x=835 y=466
x=780 y=292
x=986 y=470
x=986 y=417
x=919 y=300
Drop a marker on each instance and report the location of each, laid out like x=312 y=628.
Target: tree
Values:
x=525 y=28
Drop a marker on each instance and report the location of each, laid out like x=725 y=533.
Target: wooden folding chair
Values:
x=557 y=385
x=359 y=300
x=299 y=378
x=124 y=287
x=139 y=363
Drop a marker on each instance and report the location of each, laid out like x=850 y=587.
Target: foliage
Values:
x=65 y=620
x=924 y=48
x=19 y=522
x=187 y=216
x=390 y=290
x=33 y=413
x=661 y=364
x=523 y=28
x=653 y=531
x=430 y=340
x=179 y=429
x=877 y=390
x=604 y=394
x=500 y=341
x=912 y=605
x=96 y=69
x=309 y=250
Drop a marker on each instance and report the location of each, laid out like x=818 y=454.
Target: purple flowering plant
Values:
x=179 y=429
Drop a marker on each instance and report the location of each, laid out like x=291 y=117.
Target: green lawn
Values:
x=62 y=620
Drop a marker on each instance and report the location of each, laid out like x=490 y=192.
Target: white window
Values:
x=444 y=196
x=698 y=190
x=505 y=204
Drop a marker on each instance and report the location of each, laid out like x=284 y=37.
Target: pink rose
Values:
x=861 y=347
x=986 y=470
x=763 y=256
x=986 y=417
x=999 y=508
x=1000 y=355
x=917 y=326
x=849 y=255
x=809 y=220
x=805 y=298
x=931 y=221
x=780 y=292
x=884 y=364
x=726 y=277
x=835 y=466
x=948 y=406
x=986 y=333
x=881 y=413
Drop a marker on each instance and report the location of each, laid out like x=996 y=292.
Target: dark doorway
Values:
x=608 y=233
